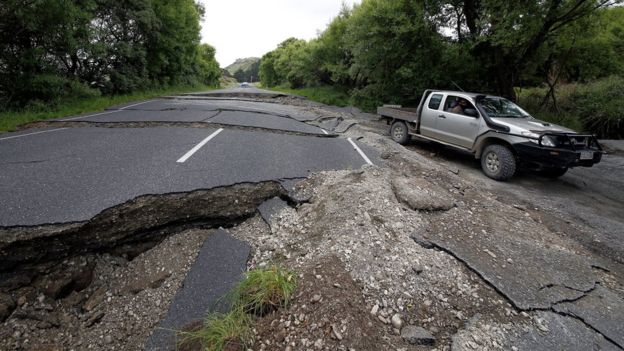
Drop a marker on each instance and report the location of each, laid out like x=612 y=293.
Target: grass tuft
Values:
x=262 y=291
x=265 y=290
x=231 y=331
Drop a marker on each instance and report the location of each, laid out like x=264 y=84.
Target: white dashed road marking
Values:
x=41 y=132
x=106 y=112
x=198 y=146
x=360 y=152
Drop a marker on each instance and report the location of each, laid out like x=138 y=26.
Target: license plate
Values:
x=587 y=155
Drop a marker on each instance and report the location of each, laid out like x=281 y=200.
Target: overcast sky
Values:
x=246 y=28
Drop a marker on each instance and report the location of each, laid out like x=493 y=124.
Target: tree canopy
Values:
x=53 y=48
x=390 y=50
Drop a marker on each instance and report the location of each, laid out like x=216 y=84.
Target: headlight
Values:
x=534 y=138
x=548 y=141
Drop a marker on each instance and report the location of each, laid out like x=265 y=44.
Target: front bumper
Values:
x=548 y=157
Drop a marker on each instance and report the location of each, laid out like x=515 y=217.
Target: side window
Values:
x=456 y=104
x=434 y=102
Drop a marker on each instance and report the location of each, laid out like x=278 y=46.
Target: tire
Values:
x=399 y=132
x=498 y=162
x=553 y=173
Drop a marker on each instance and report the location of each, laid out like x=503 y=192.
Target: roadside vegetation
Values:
x=73 y=57
x=383 y=51
x=261 y=292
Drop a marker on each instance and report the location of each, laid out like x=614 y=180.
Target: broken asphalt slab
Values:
x=556 y=332
x=528 y=265
x=270 y=209
x=263 y=120
x=220 y=264
x=514 y=256
x=71 y=175
x=603 y=309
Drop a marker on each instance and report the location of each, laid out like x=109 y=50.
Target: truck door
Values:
x=456 y=127
x=429 y=115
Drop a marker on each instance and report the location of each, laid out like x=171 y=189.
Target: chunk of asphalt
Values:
x=218 y=267
x=289 y=184
x=554 y=332
x=514 y=256
x=344 y=126
x=417 y=335
x=270 y=208
x=330 y=123
x=602 y=309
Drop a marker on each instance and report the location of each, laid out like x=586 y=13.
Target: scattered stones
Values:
x=143 y=283
x=417 y=336
x=396 y=321
x=336 y=333
x=316 y=298
x=95 y=299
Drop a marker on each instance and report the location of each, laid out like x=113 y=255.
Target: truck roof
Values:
x=472 y=95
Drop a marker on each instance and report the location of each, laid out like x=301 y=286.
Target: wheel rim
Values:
x=492 y=162
x=398 y=132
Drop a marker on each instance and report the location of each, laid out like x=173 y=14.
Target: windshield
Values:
x=502 y=108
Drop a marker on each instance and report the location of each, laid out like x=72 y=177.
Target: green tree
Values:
x=396 y=52
x=506 y=36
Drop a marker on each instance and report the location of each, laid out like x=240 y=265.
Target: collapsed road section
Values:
x=408 y=254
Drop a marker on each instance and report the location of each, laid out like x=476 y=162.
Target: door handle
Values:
x=441 y=116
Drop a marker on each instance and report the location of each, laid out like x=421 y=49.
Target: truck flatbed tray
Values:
x=403 y=113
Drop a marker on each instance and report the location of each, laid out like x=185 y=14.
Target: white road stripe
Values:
x=198 y=146
x=360 y=152
x=106 y=112
x=23 y=135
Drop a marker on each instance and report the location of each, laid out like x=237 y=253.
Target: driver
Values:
x=461 y=106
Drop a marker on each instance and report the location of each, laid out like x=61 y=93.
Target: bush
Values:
x=596 y=108
x=600 y=107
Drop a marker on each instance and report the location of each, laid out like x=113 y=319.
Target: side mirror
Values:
x=471 y=112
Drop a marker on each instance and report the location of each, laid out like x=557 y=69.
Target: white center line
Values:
x=23 y=135
x=198 y=146
x=106 y=112
x=360 y=152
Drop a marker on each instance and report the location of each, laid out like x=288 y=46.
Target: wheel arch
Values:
x=490 y=140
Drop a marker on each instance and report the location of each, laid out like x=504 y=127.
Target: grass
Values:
x=221 y=332
x=10 y=120
x=326 y=94
x=262 y=291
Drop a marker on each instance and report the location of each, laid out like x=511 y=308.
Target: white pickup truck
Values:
x=497 y=131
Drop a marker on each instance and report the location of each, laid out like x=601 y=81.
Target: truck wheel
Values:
x=399 y=132
x=553 y=173
x=498 y=162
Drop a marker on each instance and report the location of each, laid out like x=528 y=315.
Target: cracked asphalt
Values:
x=64 y=175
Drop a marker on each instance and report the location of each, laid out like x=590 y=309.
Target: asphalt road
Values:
x=63 y=175
x=590 y=197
